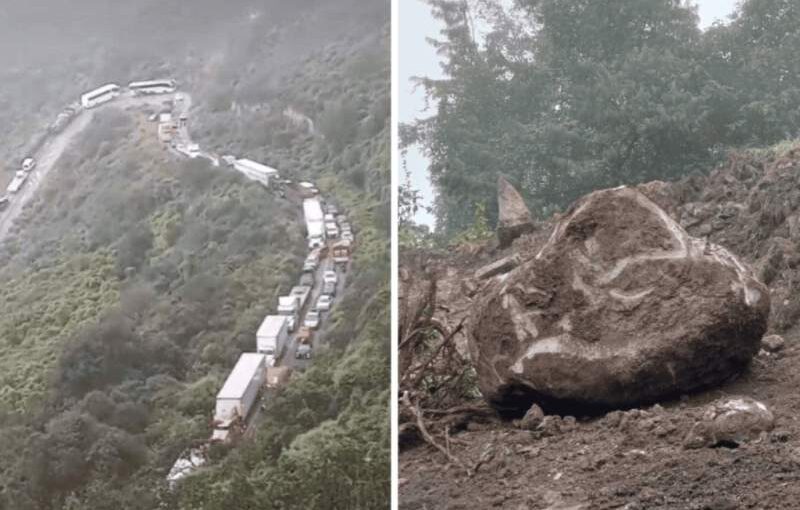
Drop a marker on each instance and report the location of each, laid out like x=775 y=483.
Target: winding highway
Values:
x=53 y=148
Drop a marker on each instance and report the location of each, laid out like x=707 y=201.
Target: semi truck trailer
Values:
x=271 y=337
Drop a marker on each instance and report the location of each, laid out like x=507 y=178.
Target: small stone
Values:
x=772 y=343
x=781 y=436
x=533 y=418
x=550 y=425
x=469 y=287
x=569 y=423
x=612 y=419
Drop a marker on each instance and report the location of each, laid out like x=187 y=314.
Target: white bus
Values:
x=255 y=171
x=100 y=95
x=152 y=87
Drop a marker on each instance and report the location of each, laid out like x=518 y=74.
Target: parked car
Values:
x=330 y=218
x=303 y=352
x=309 y=266
x=329 y=289
x=28 y=164
x=332 y=209
x=304 y=343
x=324 y=302
x=312 y=319
x=330 y=276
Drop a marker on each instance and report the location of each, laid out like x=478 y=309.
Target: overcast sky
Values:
x=418 y=58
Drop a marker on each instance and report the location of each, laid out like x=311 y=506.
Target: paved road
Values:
x=289 y=358
x=48 y=155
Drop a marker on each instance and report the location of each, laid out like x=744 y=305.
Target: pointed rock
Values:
x=514 y=219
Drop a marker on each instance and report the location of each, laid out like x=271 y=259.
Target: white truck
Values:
x=315 y=222
x=191 y=150
x=236 y=398
x=301 y=293
x=271 y=337
x=287 y=306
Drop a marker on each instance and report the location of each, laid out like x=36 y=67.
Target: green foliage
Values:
x=122 y=302
x=478 y=231
x=138 y=280
x=570 y=96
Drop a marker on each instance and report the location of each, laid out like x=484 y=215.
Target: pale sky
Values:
x=418 y=58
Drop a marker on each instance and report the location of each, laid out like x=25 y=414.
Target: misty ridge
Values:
x=52 y=51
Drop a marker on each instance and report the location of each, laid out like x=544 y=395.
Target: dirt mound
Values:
x=598 y=318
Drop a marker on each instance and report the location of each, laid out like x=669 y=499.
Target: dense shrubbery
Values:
x=568 y=96
x=137 y=280
x=128 y=295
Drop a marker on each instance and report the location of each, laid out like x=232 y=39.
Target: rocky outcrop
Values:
x=514 y=219
x=620 y=306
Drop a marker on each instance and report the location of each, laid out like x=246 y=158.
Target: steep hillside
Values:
x=134 y=280
x=325 y=442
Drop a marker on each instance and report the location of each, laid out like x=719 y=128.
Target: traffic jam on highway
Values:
x=286 y=339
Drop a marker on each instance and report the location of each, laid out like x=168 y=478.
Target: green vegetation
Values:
x=137 y=280
x=568 y=96
x=325 y=440
x=126 y=298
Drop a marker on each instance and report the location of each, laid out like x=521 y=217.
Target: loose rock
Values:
x=772 y=343
x=730 y=422
x=532 y=418
x=620 y=307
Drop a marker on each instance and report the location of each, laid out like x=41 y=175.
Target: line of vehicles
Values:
x=299 y=312
x=91 y=99
x=20 y=176
x=330 y=241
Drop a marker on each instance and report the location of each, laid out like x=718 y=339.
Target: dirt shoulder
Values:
x=633 y=459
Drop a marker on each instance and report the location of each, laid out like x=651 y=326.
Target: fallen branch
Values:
x=428 y=438
x=420 y=370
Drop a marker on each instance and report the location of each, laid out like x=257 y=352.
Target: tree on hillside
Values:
x=569 y=96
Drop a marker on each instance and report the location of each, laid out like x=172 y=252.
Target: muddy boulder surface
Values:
x=620 y=307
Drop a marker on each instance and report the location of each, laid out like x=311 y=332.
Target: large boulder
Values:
x=513 y=219
x=620 y=307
